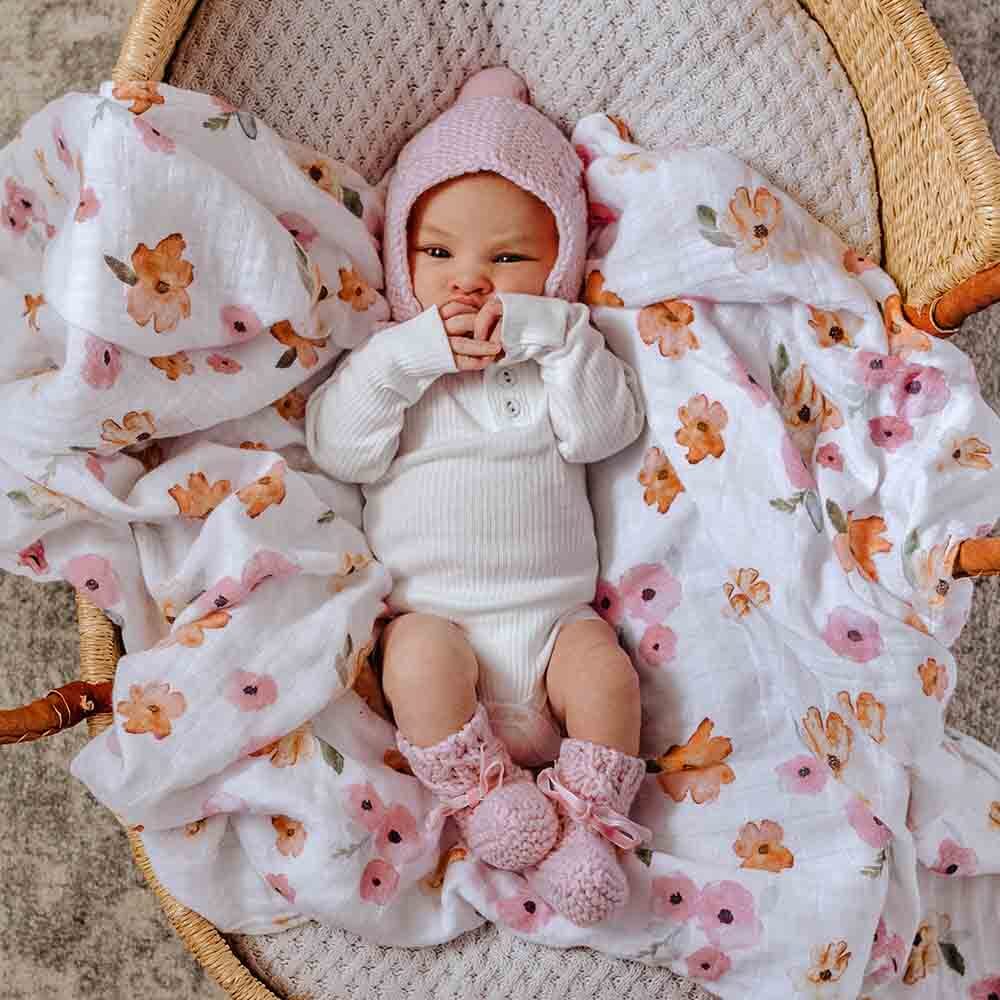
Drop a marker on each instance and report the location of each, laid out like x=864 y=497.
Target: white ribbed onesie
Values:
x=475 y=484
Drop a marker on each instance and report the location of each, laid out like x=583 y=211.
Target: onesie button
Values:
x=508 y=377
x=512 y=407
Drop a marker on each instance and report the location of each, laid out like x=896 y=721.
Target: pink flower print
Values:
x=300 y=227
x=88 y=206
x=152 y=138
x=803 y=775
x=15 y=218
x=600 y=214
x=33 y=556
x=739 y=374
x=831 y=457
x=586 y=156
x=222 y=802
x=250 y=692
x=222 y=104
x=18 y=207
x=986 y=989
x=890 y=433
x=365 y=806
x=398 y=838
x=95 y=579
x=867 y=825
x=292 y=835
x=919 y=391
x=266 y=565
x=223 y=365
x=524 y=912
x=657 y=646
x=855 y=264
x=953 y=859
x=876 y=370
x=221 y=596
x=708 y=964
x=112 y=743
x=102 y=363
x=240 y=323
x=378 y=882
x=726 y=914
x=279 y=883
x=62 y=147
x=608 y=603
x=95 y=466
x=887 y=956
x=674 y=897
x=852 y=634
x=798 y=475
x=649 y=592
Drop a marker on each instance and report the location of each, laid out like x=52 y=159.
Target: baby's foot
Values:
x=505 y=819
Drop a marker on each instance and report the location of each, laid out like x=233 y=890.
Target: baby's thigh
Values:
x=421 y=649
x=587 y=658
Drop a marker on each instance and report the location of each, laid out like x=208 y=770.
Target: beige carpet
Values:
x=75 y=919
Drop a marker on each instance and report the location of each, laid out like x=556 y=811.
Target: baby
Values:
x=469 y=424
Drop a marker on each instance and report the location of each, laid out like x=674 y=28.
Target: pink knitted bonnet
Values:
x=490 y=127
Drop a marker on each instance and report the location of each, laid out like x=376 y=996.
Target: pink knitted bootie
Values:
x=504 y=818
x=594 y=787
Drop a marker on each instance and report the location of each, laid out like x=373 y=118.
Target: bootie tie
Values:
x=504 y=818
x=594 y=787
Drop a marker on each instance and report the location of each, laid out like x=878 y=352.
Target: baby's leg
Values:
x=429 y=675
x=593 y=688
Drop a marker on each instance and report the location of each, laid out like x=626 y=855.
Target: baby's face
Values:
x=478 y=234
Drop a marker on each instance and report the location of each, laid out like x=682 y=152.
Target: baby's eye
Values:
x=438 y=253
x=513 y=258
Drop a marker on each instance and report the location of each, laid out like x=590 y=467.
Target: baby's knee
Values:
x=420 y=651
x=600 y=662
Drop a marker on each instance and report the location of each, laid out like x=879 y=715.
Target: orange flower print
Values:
x=624 y=132
x=701 y=433
x=434 y=881
x=855 y=263
x=136 y=426
x=869 y=712
x=832 y=330
x=829 y=962
x=994 y=815
x=32 y=303
x=291 y=406
x=161 y=277
x=351 y=563
x=299 y=348
x=933 y=572
x=623 y=163
x=661 y=482
x=860 y=543
x=199 y=499
x=752 y=223
x=933 y=678
x=668 y=324
x=747 y=591
x=697 y=767
x=254 y=446
x=761 y=847
x=299 y=744
x=355 y=290
x=150 y=457
x=595 y=294
x=925 y=957
x=173 y=365
x=320 y=171
x=142 y=93
x=193 y=829
x=394 y=759
x=904 y=339
x=831 y=742
x=263 y=492
x=915 y=621
x=192 y=635
x=150 y=708
x=291 y=836
x=806 y=410
x=970 y=452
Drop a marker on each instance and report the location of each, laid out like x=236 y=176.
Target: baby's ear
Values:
x=498 y=81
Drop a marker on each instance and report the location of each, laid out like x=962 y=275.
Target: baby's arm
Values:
x=354 y=419
x=595 y=404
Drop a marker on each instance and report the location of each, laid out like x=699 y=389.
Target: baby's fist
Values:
x=488 y=319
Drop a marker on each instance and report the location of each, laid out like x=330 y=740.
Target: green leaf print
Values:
x=645 y=855
x=782 y=360
x=953 y=957
x=302 y=261
x=248 y=123
x=837 y=518
x=327 y=517
x=333 y=757
x=214 y=124
x=352 y=202
x=707 y=217
x=121 y=270
x=287 y=359
x=814 y=510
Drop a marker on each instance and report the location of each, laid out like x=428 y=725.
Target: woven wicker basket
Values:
x=932 y=151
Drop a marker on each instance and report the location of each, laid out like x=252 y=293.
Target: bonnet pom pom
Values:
x=495 y=82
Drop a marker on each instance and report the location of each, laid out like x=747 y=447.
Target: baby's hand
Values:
x=460 y=322
x=488 y=321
